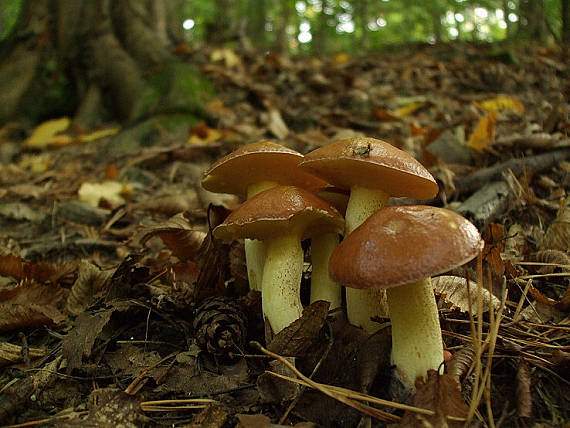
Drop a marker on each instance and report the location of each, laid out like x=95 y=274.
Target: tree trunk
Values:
x=533 y=21
x=101 y=56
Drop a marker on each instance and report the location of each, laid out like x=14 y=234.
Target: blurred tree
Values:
x=96 y=60
x=565 y=7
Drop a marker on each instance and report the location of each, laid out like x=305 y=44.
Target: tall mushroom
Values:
x=281 y=217
x=373 y=170
x=399 y=249
x=249 y=170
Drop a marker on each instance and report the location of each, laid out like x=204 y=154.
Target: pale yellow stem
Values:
x=322 y=287
x=254 y=249
x=281 y=283
x=363 y=305
x=416 y=334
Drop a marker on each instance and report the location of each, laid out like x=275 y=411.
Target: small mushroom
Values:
x=281 y=217
x=399 y=249
x=373 y=170
x=249 y=170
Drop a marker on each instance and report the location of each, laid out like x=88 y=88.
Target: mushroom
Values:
x=281 y=217
x=399 y=249
x=249 y=170
x=322 y=286
x=373 y=170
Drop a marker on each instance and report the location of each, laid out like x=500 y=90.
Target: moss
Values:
x=175 y=88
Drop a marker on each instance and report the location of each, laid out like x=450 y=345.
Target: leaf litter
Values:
x=99 y=300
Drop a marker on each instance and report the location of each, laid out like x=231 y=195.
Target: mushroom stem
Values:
x=363 y=202
x=416 y=335
x=254 y=249
x=281 y=283
x=362 y=305
x=322 y=287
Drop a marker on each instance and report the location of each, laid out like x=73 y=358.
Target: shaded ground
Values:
x=100 y=296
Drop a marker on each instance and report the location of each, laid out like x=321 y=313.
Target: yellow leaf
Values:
x=102 y=133
x=484 y=133
x=407 y=110
x=35 y=163
x=111 y=191
x=501 y=104
x=227 y=55
x=44 y=133
x=341 y=57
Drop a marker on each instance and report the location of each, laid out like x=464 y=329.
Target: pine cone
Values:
x=220 y=326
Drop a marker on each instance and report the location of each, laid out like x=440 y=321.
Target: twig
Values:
x=530 y=164
x=131 y=389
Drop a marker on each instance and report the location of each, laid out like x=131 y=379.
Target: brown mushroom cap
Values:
x=281 y=210
x=371 y=163
x=399 y=245
x=256 y=162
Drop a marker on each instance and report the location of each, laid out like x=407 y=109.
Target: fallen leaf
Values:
x=35 y=163
x=96 y=135
x=24 y=270
x=408 y=109
x=226 y=55
x=297 y=337
x=494 y=246
x=483 y=135
x=557 y=236
x=441 y=394
x=202 y=134
x=501 y=104
x=177 y=234
x=45 y=133
x=341 y=57
x=384 y=115
x=90 y=281
x=113 y=192
x=453 y=290
x=29 y=305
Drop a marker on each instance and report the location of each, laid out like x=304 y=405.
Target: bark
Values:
x=106 y=49
x=533 y=20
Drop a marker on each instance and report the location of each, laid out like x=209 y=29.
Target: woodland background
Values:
x=110 y=112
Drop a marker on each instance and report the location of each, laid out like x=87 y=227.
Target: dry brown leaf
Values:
x=114 y=408
x=112 y=192
x=460 y=363
x=557 y=235
x=211 y=417
x=494 y=245
x=454 y=291
x=177 y=234
x=441 y=394
x=523 y=394
x=384 y=115
x=262 y=421
x=90 y=281
x=29 y=305
x=21 y=269
x=483 y=135
x=295 y=339
x=561 y=362
x=550 y=258
x=276 y=124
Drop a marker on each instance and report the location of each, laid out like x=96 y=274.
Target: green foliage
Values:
x=9 y=12
x=356 y=25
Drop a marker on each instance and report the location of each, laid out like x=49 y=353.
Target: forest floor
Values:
x=105 y=255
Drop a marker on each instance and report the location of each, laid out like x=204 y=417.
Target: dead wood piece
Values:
x=487 y=204
x=517 y=166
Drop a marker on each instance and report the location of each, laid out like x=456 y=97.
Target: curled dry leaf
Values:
x=296 y=338
x=557 y=235
x=455 y=291
x=29 y=305
x=551 y=259
x=441 y=394
x=177 y=234
x=561 y=362
x=523 y=394
x=90 y=281
x=458 y=366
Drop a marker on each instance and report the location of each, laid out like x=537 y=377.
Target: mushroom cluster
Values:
x=291 y=197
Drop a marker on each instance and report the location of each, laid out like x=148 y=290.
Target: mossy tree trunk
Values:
x=95 y=60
